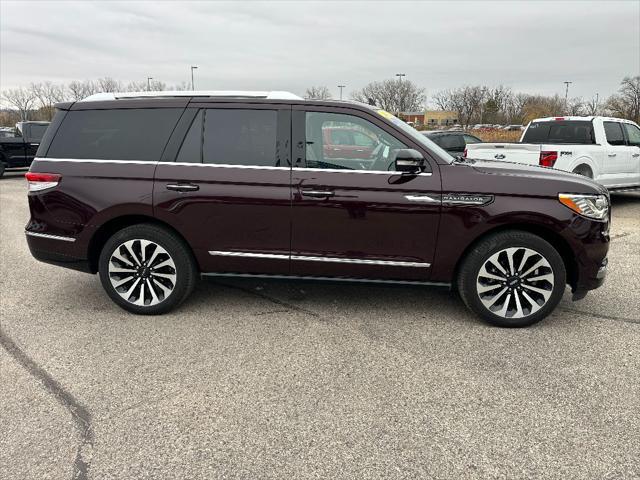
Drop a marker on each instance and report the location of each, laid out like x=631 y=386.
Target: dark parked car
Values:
x=19 y=146
x=151 y=193
x=452 y=141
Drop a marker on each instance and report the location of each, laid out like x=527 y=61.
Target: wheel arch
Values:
x=586 y=162
x=556 y=240
x=106 y=230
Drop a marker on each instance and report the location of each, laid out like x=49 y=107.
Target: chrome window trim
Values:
x=304 y=258
x=227 y=165
x=50 y=237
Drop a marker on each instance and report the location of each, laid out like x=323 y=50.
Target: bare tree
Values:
x=23 y=99
x=626 y=103
x=465 y=101
x=592 y=107
x=48 y=94
x=108 y=84
x=318 y=93
x=576 y=107
x=79 y=90
x=392 y=95
x=183 y=86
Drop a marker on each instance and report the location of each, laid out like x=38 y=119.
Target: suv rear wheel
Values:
x=512 y=279
x=147 y=269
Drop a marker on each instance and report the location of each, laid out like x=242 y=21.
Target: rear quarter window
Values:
x=118 y=134
x=574 y=132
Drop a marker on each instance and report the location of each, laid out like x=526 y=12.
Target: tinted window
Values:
x=240 y=137
x=127 y=134
x=451 y=142
x=366 y=147
x=471 y=139
x=37 y=131
x=613 y=132
x=191 y=149
x=633 y=134
x=576 y=132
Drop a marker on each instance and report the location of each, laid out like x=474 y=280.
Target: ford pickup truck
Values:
x=19 y=146
x=604 y=149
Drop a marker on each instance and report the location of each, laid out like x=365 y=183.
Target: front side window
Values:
x=119 y=134
x=240 y=137
x=362 y=145
x=633 y=134
x=613 y=132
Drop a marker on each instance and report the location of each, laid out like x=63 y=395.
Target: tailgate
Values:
x=507 y=152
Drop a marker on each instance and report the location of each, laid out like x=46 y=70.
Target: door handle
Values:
x=612 y=154
x=317 y=193
x=182 y=187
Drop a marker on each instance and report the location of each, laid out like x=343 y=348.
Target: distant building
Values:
x=431 y=118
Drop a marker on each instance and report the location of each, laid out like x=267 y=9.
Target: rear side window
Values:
x=451 y=142
x=633 y=134
x=240 y=137
x=613 y=132
x=120 y=134
x=575 y=132
x=191 y=149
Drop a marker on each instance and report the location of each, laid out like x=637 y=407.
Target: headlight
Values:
x=592 y=206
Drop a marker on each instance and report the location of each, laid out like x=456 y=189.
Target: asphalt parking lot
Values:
x=251 y=379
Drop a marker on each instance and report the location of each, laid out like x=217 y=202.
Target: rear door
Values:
x=357 y=217
x=227 y=189
x=633 y=141
x=617 y=165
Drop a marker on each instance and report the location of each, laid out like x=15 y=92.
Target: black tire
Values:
x=584 y=170
x=529 y=250
x=2 y=167
x=182 y=268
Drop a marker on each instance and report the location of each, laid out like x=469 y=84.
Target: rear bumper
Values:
x=56 y=250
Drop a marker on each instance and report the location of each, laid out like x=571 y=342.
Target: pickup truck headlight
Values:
x=591 y=206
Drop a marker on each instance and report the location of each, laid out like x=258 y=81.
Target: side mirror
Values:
x=409 y=161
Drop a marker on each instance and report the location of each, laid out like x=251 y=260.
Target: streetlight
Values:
x=149 y=83
x=566 y=97
x=341 y=87
x=192 y=69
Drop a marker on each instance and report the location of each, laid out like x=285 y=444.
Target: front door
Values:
x=228 y=190
x=633 y=141
x=358 y=217
x=618 y=160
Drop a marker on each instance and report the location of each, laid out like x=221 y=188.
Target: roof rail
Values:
x=274 y=95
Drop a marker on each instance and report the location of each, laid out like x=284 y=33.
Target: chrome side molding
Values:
x=304 y=258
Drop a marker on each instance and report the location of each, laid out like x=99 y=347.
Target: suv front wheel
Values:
x=147 y=269
x=512 y=279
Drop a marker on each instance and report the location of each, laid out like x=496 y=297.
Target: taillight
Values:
x=464 y=155
x=548 y=159
x=42 y=181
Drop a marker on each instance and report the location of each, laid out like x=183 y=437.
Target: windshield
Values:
x=415 y=135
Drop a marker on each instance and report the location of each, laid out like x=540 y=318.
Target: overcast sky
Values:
x=529 y=46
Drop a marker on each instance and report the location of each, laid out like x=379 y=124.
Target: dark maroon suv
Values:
x=153 y=191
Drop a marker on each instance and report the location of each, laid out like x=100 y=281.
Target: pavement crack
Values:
x=600 y=316
x=79 y=413
x=277 y=301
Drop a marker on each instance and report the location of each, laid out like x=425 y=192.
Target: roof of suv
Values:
x=240 y=94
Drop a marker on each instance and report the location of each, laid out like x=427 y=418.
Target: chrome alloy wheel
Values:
x=515 y=282
x=142 y=272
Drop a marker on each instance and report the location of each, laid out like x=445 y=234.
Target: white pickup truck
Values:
x=605 y=149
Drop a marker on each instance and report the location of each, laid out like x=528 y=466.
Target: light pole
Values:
x=192 y=69
x=341 y=87
x=400 y=75
x=149 y=83
x=566 y=97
